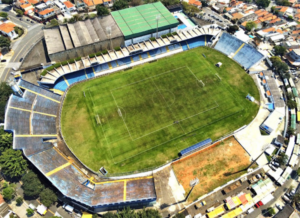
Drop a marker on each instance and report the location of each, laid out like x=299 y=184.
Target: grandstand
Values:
x=127 y=56
x=32 y=120
x=244 y=54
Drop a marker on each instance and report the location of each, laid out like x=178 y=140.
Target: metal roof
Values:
x=141 y=20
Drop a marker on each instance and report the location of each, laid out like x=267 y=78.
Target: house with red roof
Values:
x=46 y=13
x=7 y=28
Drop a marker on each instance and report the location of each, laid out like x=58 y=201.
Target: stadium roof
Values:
x=141 y=20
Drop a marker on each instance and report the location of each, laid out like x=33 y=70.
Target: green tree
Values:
x=12 y=163
x=32 y=186
x=101 y=10
x=282 y=159
x=54 y=22
x=6 y=140
x=296 y=199
x=136 y=2
x=232 y=29
x=250 y=25
x=3 y=14
x=204 y=3
x=279 y=50
x=291 y=104
x=121 y=4
x=127 y=212
x=263 y=3
x=298 y=171
x=170 y=2
x=95 y=215
x=188 y=9
x=5 y=92
x=179 y=215
x=4 y=42
x=290 y=18
x=8 y=193
x=30 y=212
x=19 y=200
x=19 y=12
x=271 y=211
x=7 y=2
x=48 y=197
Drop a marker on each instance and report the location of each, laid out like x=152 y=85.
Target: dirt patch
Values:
x=210 y=165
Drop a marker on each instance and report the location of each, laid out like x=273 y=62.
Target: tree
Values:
x=291 y=104
x=54 y=22
x=127 y=212
x=290 y=18
x=296 y=199
x=179 y=215
x=12 y=163
x=279 y=50
x=280 y=66
x=204 y=3
x=19 y=200
x=4 y=42
x=101 y=10
x=48 y=197
x=9 y=2
x=282 y=159
x=263 y=3
x=250 y=25
x=95 y=215
x=121 y=4
x=30 y=212
x=187 y=8
x=3 y=14
x=5 y=92
x=19 y=12
x=271 y=211
x=298 y=171
x=6 y=140
x=8 y=193
x=232 y=29
x=170 y=2
x=136 y=2
x=291 y=131
x=32 y=186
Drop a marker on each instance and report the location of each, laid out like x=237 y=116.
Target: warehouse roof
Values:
x=141 y=20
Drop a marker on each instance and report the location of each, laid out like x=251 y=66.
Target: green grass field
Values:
x=143 y=117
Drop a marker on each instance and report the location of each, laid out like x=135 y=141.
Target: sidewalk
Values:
x=6 y=57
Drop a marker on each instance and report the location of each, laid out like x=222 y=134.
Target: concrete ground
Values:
x=38 y=55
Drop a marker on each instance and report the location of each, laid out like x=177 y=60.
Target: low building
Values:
x=195 y=3
x=45 y=14
x=8 y=29
x=279 y=140
x=272 y=121
x=294 y=57
x=69 y=7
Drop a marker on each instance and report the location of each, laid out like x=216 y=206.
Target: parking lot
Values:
x=214 y=18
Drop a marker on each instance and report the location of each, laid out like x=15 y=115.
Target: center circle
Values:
x=163 y=98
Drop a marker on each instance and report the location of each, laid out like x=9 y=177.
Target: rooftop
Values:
x=141 y=20
x=7 y=27
x=46 y=11
x=68 y=4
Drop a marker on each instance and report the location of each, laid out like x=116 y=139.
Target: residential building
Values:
x=195 y=3
x=69 y=6
x=294 y=57
x=49 y=12
x=7 y=28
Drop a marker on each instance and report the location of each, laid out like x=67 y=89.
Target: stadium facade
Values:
x=121 y=28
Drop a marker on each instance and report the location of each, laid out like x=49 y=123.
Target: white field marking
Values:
x=98 y=119
x=121 y=116
x=108 y=145
x=119 y=112
x=91 y=97
x=149 y=78
x=218 y=76
x=193 y=74
x=167 y=105
x=202 y=82
x=178 y=137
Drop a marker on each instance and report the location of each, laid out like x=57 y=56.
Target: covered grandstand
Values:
x=140 y=23
x=32 y=120
x=241 y=52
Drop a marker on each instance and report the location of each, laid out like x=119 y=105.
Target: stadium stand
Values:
x=136 y=58
x=196 y=42
x=75 y=77
x=241 y=52
x=113 y=64
x=144 y=55
x=184 y=46
x=104 y=66
x=38 y=108
x=60 y=84
x=124 y=61
x=90 y=73
x=195 y=147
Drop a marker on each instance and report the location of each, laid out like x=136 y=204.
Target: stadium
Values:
x=130 y=111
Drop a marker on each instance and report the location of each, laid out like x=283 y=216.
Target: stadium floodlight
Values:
x=108 y=31
x=157 y=20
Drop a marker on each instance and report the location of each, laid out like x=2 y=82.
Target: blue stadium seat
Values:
x=248 y=56
x=177 y=45
x=124 y=61
x=184 y=46
x=75 y=77
x=196 y=42
x=135 y=58
x=195 y=147
x=144 y=55
x=97 y=68
x=113 y=64
x=163 y=50
x=89 y=72
x=60 y=84
x=171 y=47
x=228 y=44
x=105 y=66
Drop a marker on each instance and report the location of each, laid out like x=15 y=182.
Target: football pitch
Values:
x=143 y=117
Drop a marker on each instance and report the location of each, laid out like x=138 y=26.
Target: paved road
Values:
x=21 y=46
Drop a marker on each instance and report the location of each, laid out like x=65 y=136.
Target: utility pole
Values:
x=193 y=183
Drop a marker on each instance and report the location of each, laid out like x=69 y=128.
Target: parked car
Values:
x=286 y=198
x=200 y=204
x=279 y=207
x=3 y=60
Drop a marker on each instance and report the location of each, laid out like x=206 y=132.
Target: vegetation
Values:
x=102 y=10
x=291 y=104
x=12 y=163
x=19 y=200
x=282 y=159
x=152 y=38
x=19 y=12
x=263 y=3
x=283 y=2
x=120 y=4
x=271 y=211
x=127 y=212
x=6 y=140
x=32 y=186
x=250 y=25
x=232 y=29
x=48 y=197
x=291 y=131
x=296 y=199
x=179 y=215
x=280 y=67
x=7 y=2
x=217 y=109
x=30 y=212
x=4 y=42
x=63 y=63
x=279 y=50
x=8 y=192
x=19 y=31
x=54 y=22
x=117 y=48
x=189 y=9
x=170 y=2
x=136 y=2
x=3 y=14
x=298 y=171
